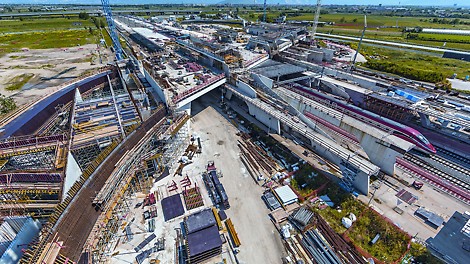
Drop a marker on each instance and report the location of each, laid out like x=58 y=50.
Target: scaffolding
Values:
x=136 y=174
x=105 y=114
x=31 y=174
x=388 y=107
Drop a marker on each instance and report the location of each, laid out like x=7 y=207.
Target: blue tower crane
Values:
x=112 y=29
x=264 y=12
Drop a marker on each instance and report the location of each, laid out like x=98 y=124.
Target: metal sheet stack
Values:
x=301 y=218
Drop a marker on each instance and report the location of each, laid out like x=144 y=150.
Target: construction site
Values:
x=211 y=144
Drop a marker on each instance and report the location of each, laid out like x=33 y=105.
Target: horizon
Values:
x=437 y=3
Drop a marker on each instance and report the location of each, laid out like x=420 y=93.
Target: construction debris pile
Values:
x=259 y=164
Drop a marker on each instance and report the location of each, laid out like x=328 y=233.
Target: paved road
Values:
x=389 y=43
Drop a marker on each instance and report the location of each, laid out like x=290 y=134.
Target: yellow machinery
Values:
x=233 y=233
x=217 y=218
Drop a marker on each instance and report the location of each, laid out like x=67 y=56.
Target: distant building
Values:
x=280 y=19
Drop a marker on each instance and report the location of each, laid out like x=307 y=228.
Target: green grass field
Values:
x=418 y=62
x=379 y=27
x=376 y=21
x=44 y=40
x=433 y=40
x=392 y=243
x=43 y=24
x=43 y=33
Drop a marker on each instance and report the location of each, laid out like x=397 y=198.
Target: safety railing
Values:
x=195 y=89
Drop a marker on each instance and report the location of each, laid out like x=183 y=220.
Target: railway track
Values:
x=453 y=166
x=427 y=167
x=456 y=158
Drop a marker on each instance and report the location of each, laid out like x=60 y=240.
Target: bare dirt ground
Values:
x=50 y=68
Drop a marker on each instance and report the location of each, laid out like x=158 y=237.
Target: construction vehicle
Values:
x=417 y=185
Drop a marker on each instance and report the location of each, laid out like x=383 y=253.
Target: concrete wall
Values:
x=272 y=123
x=155 y=86
x=335 y=89
x=299 y=107
x=356 y=97
x=378 y=152
x=258 y=62
x=361 y=182
x=72 y=174
x=206 y=61
x=363 y=82
x=263 y=80
x=246 y=89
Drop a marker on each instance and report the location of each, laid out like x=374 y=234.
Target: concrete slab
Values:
x=248 y=212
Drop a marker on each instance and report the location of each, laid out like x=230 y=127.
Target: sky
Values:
x=326 y=2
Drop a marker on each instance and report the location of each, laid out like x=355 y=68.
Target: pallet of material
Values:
x=279 y=215
x=217 y=218
x=193 y=198
x=203 y=244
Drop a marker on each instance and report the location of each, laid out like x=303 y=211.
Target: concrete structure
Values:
x=381 y=147
x=358 y=168
x=16 y=233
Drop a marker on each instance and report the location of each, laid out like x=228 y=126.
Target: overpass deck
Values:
x=458 y=121
x=362 y=164
x=368 y=126
x=200 y=50
x=347 y=85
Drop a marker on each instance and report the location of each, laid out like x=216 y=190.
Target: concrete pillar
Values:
x=379 y=152
x=424 y=120
x=361 y=183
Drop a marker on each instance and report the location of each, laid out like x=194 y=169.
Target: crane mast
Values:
x=264 y=12
x=359 y=45
x=112 y=29
x=315 y=20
